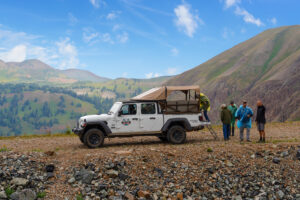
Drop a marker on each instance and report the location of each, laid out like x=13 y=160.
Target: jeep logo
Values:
x=126 y=122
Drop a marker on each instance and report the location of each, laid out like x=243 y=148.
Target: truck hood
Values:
x=93 y=118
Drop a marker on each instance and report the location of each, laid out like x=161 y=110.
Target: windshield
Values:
x=114 y=108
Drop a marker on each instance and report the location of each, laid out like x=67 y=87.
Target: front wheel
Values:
x=163 y=138
x=176 y=135
x=94 y=138
x=81 y=137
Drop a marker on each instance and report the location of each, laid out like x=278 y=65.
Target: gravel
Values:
x=21 y=176
x=145 y=168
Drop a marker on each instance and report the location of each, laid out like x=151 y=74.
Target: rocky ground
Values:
x=145 y=168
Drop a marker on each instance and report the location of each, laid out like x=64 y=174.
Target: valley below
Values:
x=146 y=168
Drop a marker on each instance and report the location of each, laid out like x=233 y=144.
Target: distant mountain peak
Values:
x=265 y=67
x=34 y=70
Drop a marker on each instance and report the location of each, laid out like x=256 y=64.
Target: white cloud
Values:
x=171 y=71
x=19 y=46
x=47 y=55
x=152 y=75
x=273 y=21
x=248 y=18
x=107 y=38
x=243 y=30
x=185 y=20
x=72 y=19
x=230 y=3
x=68 y=54
x=227 y=33
x=174 y=51
x=16 y=54
x=89 y=36
x=123 y=38
x=125 y=74
x=116 y=27
x=97 y=3
x=111 y=16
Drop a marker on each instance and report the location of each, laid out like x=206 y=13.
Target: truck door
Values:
x=150 y=119
x=128 y=121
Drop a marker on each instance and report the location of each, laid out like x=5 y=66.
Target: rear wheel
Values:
x=94 y=138
x=176 y=135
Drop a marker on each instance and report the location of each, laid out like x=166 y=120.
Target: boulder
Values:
x=19 y=181
x=128 y=196
x=25 y=194
x=112 y=173
x=3 y=195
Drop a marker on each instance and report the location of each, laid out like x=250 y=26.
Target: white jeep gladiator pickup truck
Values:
x=148 y=114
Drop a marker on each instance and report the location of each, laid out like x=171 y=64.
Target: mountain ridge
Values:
x=259 y=68
x=34 y=70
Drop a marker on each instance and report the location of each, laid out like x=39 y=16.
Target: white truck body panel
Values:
x=137 y=121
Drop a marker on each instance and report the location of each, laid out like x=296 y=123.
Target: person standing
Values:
x=204 y=105
x=261 y=121
x=232 y=108
x=226 y=120
x=244 y=114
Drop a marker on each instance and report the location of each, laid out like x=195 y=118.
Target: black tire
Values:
x=176 y=135
x=81 y=138
x=94 y=138
x=163 y=138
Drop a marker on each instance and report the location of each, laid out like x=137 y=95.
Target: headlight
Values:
x=83 y=123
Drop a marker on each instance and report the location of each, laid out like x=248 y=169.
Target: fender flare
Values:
x=184 y=121
x=99 y=123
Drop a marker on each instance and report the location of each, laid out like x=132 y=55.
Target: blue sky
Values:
x=134 y=38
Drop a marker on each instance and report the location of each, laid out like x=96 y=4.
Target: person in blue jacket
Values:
x=244 y=114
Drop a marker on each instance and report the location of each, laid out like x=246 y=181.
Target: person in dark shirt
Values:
x=261 y=121
x=226 y=120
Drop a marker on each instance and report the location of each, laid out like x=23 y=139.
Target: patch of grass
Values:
x=4 y=149
x=79 y=197
x=57 y=149
x=68 y=131
x=41 y=195
x=9 y=191
x=276 y=48
x=37 y=150
x=209 y=150
x=219 y=70
x=284 y=140
x=37 y=136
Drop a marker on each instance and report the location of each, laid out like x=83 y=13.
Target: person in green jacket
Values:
x=204 y=105
x=232 y=108
x=226 y=120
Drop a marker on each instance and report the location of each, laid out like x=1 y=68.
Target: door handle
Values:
x=152 y=118
x=134 y=118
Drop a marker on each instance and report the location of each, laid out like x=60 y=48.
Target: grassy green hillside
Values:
x=265 y=67
x=119 y=88
x=27 y=108
x=30 y=109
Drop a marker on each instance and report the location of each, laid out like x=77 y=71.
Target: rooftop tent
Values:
x=162 y=93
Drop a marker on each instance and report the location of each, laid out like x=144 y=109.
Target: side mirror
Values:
x=119 y=113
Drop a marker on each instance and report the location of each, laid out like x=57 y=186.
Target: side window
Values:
x=148 y=108
x=129 y=109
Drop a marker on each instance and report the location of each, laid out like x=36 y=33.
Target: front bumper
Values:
x=77 y=131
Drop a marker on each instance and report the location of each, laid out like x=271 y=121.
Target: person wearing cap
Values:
x=232 y=108
x=244 y=114
x=226 y=120
x=261 y=121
